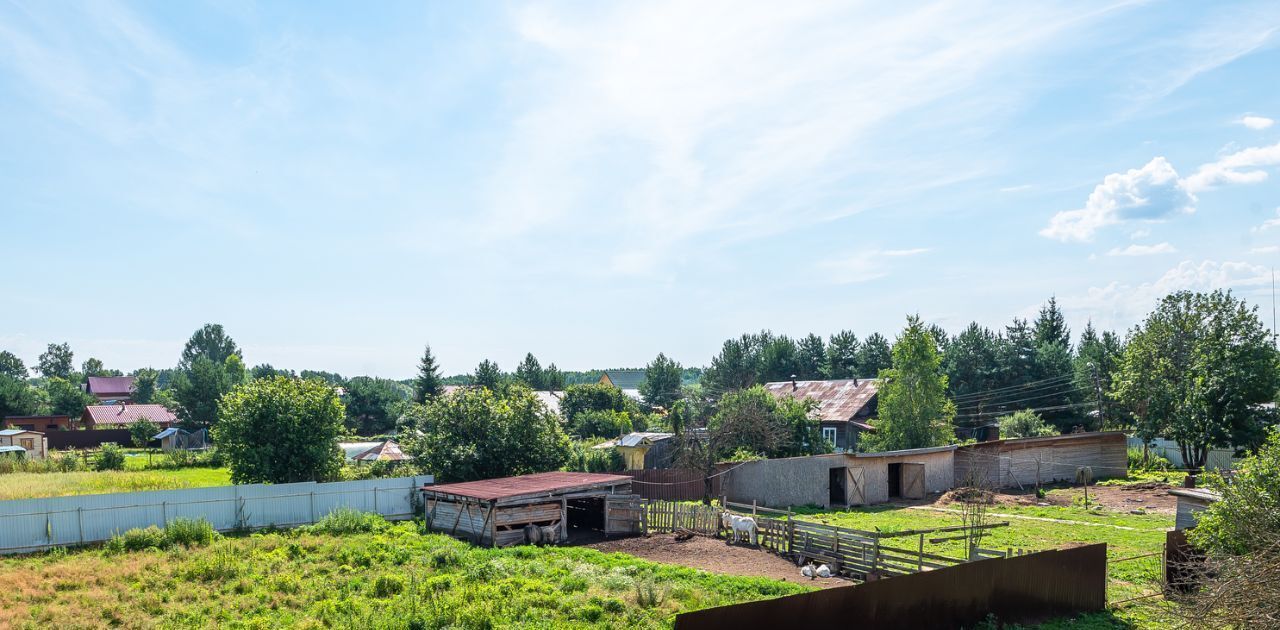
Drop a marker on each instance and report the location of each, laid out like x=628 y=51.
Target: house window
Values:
x=829 y=434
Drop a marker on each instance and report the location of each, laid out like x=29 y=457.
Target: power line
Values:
x=1037 y=409
x=1005 y=403
x=1028 y=386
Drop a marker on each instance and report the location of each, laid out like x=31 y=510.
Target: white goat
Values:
x=824 y=571
x=744 y=525
x=807 y=571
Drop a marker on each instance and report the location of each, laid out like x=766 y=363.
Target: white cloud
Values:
x=1266 y=249
x=864 y=266
x=1269 y=223
x=1120 y=305
x=1152 y=192
x=1009 y=189
x=1257 y=122
x=1240 y=167
x=1139 y=233
x=1143 y=250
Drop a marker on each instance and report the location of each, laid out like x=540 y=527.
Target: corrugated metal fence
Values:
x=673 y=484
x=1219 y=458
x=28 y=525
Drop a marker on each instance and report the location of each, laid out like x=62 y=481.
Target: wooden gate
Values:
x=623 y=514
x=855 y=487
x=912 y=481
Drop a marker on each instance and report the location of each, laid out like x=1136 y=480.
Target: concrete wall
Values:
x=797 y=481
x=1019 y=463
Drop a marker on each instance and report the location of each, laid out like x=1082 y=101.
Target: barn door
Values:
x=913 y=481
x=623 y=514
x=856 y=487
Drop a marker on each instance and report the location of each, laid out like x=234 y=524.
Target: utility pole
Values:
x=1097 y=388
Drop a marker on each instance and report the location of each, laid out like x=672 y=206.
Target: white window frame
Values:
x=829 y=434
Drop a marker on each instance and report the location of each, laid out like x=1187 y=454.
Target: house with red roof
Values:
x=120 y=416
x=112 y=388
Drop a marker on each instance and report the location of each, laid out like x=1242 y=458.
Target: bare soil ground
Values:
x=1152 y=496
x=716 y=556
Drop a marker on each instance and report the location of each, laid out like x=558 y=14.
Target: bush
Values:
x=1152 y=463
x=190 y=532
x=348 y=521
x=1024 y=424
x=388 y=585
x=111 y=457
x=584 y=458
x=138 y=539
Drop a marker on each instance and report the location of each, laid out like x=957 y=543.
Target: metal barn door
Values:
x=912 y=481
x=855 y=487
x=623 y=514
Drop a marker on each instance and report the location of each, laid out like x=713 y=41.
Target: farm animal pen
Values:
x=842 y=479
x=498 y=511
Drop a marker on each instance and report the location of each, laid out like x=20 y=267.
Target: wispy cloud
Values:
x=1269 y=223
x=1257 y=122
x=1143 y=250
x=1241 y=167
x=865 y=265
x=1019 y=188
x=1119 y=304
x=1266 y=249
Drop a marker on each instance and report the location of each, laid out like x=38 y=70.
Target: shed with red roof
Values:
x=121 y=416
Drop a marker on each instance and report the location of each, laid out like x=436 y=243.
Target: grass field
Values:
x=394 y=578
x=1038 y=528
x=35 y=485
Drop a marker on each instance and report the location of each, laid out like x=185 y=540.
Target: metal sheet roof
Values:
x=838 y=400
x=127 y=414
x=625 y=379
x=387 y=451
x=9 y=432
x=548 y=483
x=108 y=385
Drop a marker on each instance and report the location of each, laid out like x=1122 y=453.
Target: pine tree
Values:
x=874 y=356
x=488 y=375
x=842 y=355
x=812 y=358
x=661 y=386
x=1051 y=326
x=529 y=372
x=427 y=383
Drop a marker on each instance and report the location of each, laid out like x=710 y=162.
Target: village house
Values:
x=845 y=406
x=37 y=423
x=32 y=443
x=628 y=381
x=120 y=416
x=110 y=388
x=644 y=450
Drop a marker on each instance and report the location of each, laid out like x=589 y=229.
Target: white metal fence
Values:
x=1219 y=458
x=28 y=525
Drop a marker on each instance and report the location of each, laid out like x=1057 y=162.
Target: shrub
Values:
x=1153 y=462
x=445 y=557
x=388 y=585
x=1024 y=424
x=138 y=539
x=649 y=594
x=190 y=532
x=348 y=521
x=111 y=457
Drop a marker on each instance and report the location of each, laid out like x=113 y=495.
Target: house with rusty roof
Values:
x=112 y=388
x=120 y=416
x=845 y=407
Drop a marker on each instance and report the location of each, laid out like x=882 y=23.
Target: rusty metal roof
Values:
x=387 y=451
x=548 y=483
x=839 y=400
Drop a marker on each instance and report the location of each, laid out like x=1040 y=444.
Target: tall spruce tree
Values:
x=427 y=383
x=874 y=356
x=529 y=372
x=842 y=355
x=488 y=375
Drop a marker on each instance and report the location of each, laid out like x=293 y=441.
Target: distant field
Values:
x=37 y=485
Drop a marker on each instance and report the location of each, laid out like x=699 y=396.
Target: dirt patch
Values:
x=716 y=556
x=1151 y=496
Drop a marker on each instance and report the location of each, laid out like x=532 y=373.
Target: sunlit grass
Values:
x=36 y=485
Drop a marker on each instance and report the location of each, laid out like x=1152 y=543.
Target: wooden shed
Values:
x=1022 y=462
x=558 y=504
x=841 y=479
x=1191 y=502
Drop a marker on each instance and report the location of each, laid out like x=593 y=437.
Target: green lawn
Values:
x=34 y=485
x=396 y=578
x=1125 y=534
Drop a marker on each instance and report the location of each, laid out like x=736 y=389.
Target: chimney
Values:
x=855 y=381
x=794 y=387
x=121 y=411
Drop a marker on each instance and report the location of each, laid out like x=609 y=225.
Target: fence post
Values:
x=164 y=513
x=920 y=556
x=753 y=507
x=312 y=501
x=375 y=500
x=80 y=523
x=791 y=532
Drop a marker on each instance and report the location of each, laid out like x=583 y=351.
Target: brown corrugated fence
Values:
x=672 y=484
x=1029 y=588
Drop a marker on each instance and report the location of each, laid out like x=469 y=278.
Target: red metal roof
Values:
x=127 y=414
x=110 y=385
x=839 y=400
x=540 y=483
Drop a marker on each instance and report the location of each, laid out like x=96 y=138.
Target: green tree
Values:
x=734 y=368
x=1051 y=325
x=488 y=375
x=94 y=367
x=17 y=398
x=372 y=404
x=478 y=433
x=874 y=355
x=1096 y=364
x=266 y=370
x=12 y=366
x=56 y=361
x=579 y=400
x=66 y=398
x=553 y=378
x=1197 y=371
x=427 y=383
x=280 y=430
x=332 y=378
x=529 y=372
x=197 y=391
x=972 y=364
x=842 y=355
x=779 y=360
x=914 y=409
x=211 y=342
x=141 y=430
x=144 y=386
x=1247 y=518
x=811 y=358
x=661 y=386
x=1024 y=423
x=600 y=423
x=763 y=424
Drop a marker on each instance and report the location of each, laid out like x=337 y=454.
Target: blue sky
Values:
x=598 y=182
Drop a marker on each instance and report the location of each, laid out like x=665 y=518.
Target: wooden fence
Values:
x=861 y=554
